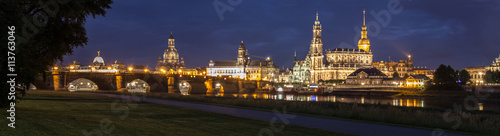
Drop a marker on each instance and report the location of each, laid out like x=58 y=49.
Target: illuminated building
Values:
x=477 y=73
x=244 y=68
x=495 y=65
x=340 y=62
x=170 y=58
x=402 y=67
x=416 y=81
x=97 y=65
x=301 y=71
x=366 y=76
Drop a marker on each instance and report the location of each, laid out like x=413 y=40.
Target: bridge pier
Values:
x=56 y=76
x=119 y=80
x=173 y=86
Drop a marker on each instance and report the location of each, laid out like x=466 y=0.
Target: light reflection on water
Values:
x=403 y=102
x=361 y=100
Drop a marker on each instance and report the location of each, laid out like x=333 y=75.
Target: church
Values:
x=170 y=59
x=340 y=62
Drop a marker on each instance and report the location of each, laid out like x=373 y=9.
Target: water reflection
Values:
x=361 y=100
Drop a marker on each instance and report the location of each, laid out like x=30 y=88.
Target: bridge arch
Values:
x=82 y=84
x=138 y=86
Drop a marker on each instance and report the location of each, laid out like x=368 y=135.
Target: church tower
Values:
x=364 y=43
x=171 y=56
x=316 y=48
x=242 y=55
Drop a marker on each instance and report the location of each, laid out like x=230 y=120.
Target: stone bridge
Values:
x=157 y=82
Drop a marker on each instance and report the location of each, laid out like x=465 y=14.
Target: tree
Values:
x=445 y=75
x=45 y=31
x=463 y=77
x=395 y=74
x=445 y=78
x=492 y=76
x=406 y=76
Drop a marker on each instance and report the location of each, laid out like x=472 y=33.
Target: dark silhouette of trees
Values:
x=445 y=78
x=45 y=31
x=492 y=76
x=463 y=77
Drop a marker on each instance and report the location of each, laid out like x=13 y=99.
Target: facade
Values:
x=477 y=73
x=366 y=76
x=495 y=65
x=339 y=62
x=244 y=68
x=170 y=59
x=402 y=67
x=97 y=65
x=416 y=81
x=301 y=71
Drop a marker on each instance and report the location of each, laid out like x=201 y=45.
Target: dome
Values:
x=364 y=41
x=98 y=59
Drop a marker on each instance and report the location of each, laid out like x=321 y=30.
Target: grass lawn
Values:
x=64 y=113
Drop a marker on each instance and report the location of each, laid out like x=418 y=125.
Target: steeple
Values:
x=171 y=41
x=364 y=43
x=316 y=48
x=295 y=57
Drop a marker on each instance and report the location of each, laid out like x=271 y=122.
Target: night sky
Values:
x=460 y=33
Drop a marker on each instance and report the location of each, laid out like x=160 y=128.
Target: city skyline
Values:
x=435 y=35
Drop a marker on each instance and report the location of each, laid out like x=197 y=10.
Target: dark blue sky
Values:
x=460 y=33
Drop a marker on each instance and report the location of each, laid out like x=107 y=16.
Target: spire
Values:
x=317 y=16
x=171 y=35
x=98 y=53
x=363 y=17
x=364 y=43
x=295 y=54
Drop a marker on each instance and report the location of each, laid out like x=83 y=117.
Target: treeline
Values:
x=492 y=77
x=447 y=78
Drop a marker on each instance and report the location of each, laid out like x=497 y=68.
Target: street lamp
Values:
x=130 y=69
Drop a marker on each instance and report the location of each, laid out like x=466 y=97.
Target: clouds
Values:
x=136 y=32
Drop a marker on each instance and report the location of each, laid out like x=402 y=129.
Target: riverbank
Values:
x=70 y=113
x=480 y=122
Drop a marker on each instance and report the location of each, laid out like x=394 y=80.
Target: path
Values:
x=343 y=126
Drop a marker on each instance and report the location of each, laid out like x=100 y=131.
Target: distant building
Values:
x=402 y=67
x=285 y=76
x=495 y=65
x=339 y=63
x=97 y=65
x=244 y=68
x=366 y=76
x=301 y=71
x=416 y=81
x=170 y=59
x=477 y=73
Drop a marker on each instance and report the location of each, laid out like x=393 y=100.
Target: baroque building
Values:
x=244 y=68
x=170 y=59
x=402 y=67
x=477 y=73
x=340 y=62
